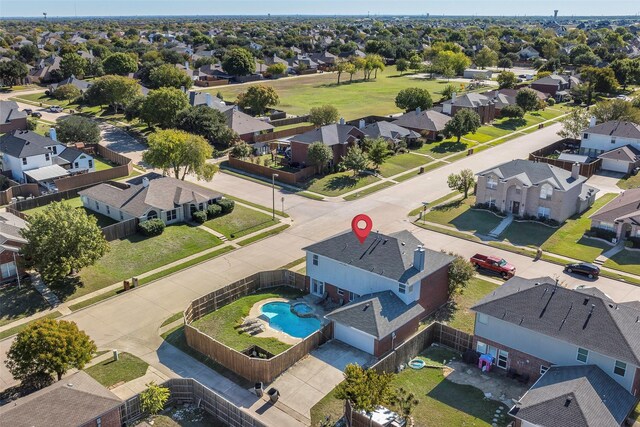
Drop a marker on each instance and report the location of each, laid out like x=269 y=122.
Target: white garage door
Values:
x=353 y=337
x=615 y=165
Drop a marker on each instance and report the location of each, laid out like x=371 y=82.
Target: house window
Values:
x=108 y=211
x=583 y=355
x=546 y=191
x=121 y=217
x=8 y=269
x=47 y=156
x=544 y=212
x=543 y=369
x=315 y=260
x=402 y=288
x=54 y=149
x=97 y=206
x=491 y=202
x=481 y=347
x=317 y=287
x=492 y=183
x=76 y=165
x=620 y=368
x=503 y=357
x=172 y=215
x=152 y=215
x=613 y=139
x=24 y=160
x=340 y=292
x=585 y=136
x=483 y=318
x=90 y=163
x=353 y=296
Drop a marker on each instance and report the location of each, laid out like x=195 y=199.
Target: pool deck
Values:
x=269 y=332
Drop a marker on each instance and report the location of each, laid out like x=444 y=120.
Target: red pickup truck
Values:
x=495 y=264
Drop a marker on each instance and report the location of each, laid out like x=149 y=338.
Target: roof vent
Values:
x=69 y=384
x=366 y=306
x=568 y=401
x=586 y=301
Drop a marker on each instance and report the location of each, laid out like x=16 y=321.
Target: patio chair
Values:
x=257 y=330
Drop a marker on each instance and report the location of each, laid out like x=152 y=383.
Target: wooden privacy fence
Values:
x=253 y=369
x=267 y=172
x=270 y=136
x=24 y=190
x=121 y=229
x=586 y=169
x=188 y=390
x=289 y=121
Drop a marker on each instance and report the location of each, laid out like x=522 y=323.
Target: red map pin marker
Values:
x=361 y=233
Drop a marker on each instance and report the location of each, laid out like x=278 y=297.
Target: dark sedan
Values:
x=590 y=270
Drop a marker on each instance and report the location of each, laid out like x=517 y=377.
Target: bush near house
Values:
x=200 y=216
x=213 y=211
x=226 y=205
x=153 y=227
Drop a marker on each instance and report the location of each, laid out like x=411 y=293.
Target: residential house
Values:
x=390 y=132
x=338 y=136
x=11 y=118
x=149 y=197
x=609 y=136
x=527 y=188
x=555 y=85
x=620 y=216
x=384 y=286
x=481 y=104
x=427 y=123
x=473 y=73
x=43 y=70
x=624 y=159
x=528 y=53
x=11 y=241
x=82 y=85
x=536 y=327
x=76 y=400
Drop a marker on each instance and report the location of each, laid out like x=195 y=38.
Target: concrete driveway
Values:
x=121 y=142
x=606 y=182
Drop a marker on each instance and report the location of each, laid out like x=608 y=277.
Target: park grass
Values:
x=19 y=302
x=16 y=329
x=264 y=235
x=76 y=202
x=138 y=254
x=336 y=184
x=369 y=190
x=353 y=100
x=110 y=372
x=222 y=323
x=240 y=222
x=459 y=214
x=400 y=163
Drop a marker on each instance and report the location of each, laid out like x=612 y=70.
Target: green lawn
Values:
x=353 y=100
x=110 y=372
x=40 y=98
x=221 y=324
x=16 y=303
x=240 y=222
x=528 y=234
x=446 y=147
x=627 y=261
x=435 y=202
x=401 y=163
x=441 y=402
x=102 y=164
x=369 y=190
x=138 y=254
x=459 y=214
x=186 y=416
x=103 y=220
x=336 y=184
x=16 y=329
x=632 y=181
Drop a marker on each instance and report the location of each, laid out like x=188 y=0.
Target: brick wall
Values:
x=17 y=124
x=402 y=334
x=434 y=290
x=522 y=363
x=110 y=419
x=8 y=256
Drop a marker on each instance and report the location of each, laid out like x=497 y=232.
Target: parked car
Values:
x=55 y=109
x=36 y=114
x=495 y=264
x=592 y=271
x=29 y=111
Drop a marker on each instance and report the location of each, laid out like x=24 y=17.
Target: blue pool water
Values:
x=302 y=308
x=282 y=319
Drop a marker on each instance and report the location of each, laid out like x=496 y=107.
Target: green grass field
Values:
x=459 y=214
x=240 y=222
x=339 y=183
x=399 y=163
x=127 y=368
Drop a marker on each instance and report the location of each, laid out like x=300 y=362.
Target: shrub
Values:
x=226 y=205
x=635 y=242
x=416 y=144
x=439 y=137
x=213 y=211
x=551 y=102
x=152 y=227
x=199 y=216
x=603 y=234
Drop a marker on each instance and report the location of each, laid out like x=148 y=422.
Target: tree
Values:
x=66 y=92
x=507 y=80
x=258 y=98
x=415 y=62
x=323 y=115
x=366 y=389
x=239 y=62
x=340 y=67
x=75 y=129
x=179 y=152
x=448 y=91
x=355 y=160
x=460 y=272
x=505 y=63
x=451 y=62
x=462 y=181
x=73 y=64
x=463 y=122
x=29 y=52
x=49 y=347
x=373 y=63
x=61 y=240
x=512 y=111
x=120 y=63
x=627 y=71
x=318 y=155
x=615 y=109
x=207 y=122
x=404 y=402
x=12 y=72
x=601 y=80
x=527 y=100
x=161 y=106
x=574 y=123
x=402 y=65
x=486 y=58
x=412 y=98
x=350 y=69
x=277 y=69
x=153 y=399
x=167 y=75
x=115 y=91
x=378 y=151
x=242 y=150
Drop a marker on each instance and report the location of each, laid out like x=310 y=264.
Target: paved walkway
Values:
x=506 y=221
x=44 y=290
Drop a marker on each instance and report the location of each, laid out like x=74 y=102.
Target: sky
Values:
x=12 y=8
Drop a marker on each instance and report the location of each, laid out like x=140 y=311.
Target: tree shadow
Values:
x=65 y=287
x=464 y=398
x=17 y=302
x=449 y=147
x=511 y=124
x=342 y=182
x=445 y=313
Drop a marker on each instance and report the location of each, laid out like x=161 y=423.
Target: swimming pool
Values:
x=282 y=319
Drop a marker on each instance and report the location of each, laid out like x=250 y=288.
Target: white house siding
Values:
x=596 y=144
x=356 y=280
x=33 y=162
x=548 y=348
x=83 y=164
x=113 y=212
x=353 y=337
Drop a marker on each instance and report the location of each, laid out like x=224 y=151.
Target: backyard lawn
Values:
x=221 y=324
x=103 y=220
x=16 y=303
x=110 y=372
x=240 y=222
x=441 y=402
x=138 y=254
x=401 y=163
x=459 y=214
x=336 y=184
x=353 y=100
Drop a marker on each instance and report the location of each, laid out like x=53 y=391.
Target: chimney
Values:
x=341 y=120
x=418 y=110
x=208 y=99
x=419 y=256
x=575 y=170
x=592 y=122
x=453 y=97
x=361 y=124
x=145 y=182
x=52 y=134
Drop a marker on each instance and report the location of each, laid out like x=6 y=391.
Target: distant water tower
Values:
x=555 y=14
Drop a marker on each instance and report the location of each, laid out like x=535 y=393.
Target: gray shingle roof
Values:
x=9 y=111
x=243 y=123
x=377 y=314
x=616 y=128
x=70 y=154
x=386 y=255
x=470 y=100
x=628 y=153
x=25 y=143
x=430 y=120
x=584 y=317
x=61 y=404
x=575 y=396
x=625 y=205
x=552 y=80
x=329 y=135
x=388 y=130
x=532 y=173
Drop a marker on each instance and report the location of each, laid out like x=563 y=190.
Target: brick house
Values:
x=555 y=85
x=483 y=105
x=620 y=216
x=532 y=325
x=11 y=118
x=428 y=123
x=10 y=243
x=338 y=136
x=383 y=287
